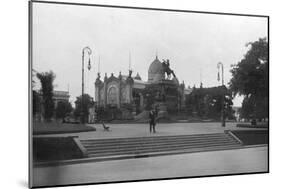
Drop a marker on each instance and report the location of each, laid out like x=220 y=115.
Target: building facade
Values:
x=58 y=96
x=121 y=90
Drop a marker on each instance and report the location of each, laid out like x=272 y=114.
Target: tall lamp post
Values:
x=222 y=84
x=85 y=49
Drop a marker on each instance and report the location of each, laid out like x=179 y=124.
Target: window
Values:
x=112 y=95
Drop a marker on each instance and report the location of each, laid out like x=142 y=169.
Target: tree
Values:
x=63 y=108
x=83 y=109
x=250 y=79
x=207 y=102
x=46 y=80
x=35 y=96
x=35 y=102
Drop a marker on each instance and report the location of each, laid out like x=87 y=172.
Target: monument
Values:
x=129 y=93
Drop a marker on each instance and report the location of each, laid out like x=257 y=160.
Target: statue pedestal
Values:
x=162 y=110
x=134 y=111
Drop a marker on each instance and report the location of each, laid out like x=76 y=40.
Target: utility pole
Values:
x=89 y=67
x=222 y=84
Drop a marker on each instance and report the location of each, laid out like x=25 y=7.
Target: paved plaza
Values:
x=142 y=130
x=184 y=165
x=245 y=160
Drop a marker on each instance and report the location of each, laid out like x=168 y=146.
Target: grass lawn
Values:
x=55 y=148
x=252 y=137
x=58 y=128
x=248 y=125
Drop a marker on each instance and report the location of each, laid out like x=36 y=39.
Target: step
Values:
x=155 y=143
x=109 y=141
x=142 y=152
x=158 y=147
x=153 y=138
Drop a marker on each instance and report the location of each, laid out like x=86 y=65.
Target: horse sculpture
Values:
x=167 y=69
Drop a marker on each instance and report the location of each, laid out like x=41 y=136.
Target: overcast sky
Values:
x=191 y=41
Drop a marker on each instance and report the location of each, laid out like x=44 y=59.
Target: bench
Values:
x=105 y=128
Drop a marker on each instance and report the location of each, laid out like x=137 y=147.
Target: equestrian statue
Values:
x=167 y=69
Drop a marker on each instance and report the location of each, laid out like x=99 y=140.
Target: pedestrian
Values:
x=152 y=121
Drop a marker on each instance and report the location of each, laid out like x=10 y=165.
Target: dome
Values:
x=156 y=72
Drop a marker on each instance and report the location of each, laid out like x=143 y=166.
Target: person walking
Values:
x=152 y=121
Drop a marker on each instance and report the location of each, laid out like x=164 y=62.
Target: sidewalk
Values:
x=184 y=165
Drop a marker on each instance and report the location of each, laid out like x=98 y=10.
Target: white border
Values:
x=14 y=92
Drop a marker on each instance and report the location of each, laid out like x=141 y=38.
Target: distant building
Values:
x=58 y=96
x=92 y=115
x=119 y=91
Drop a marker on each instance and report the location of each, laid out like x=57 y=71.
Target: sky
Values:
x=193 y=42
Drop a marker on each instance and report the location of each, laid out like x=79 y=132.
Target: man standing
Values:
x=152 y=122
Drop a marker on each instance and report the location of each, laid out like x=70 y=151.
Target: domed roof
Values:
x=156 y=71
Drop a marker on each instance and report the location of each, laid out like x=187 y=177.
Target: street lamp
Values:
x=222 y=84
x=85 y=49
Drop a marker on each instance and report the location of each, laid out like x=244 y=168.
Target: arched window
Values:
x=112 y=95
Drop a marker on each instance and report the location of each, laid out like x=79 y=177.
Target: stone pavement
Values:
x=184 y=165
x=163 y=129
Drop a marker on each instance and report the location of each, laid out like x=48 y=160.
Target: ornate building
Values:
x=58 y=96
x=119 y=91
